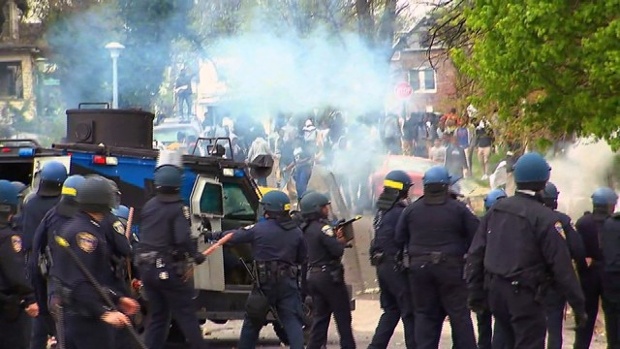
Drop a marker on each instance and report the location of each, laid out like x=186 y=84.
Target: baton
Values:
x=62 y=242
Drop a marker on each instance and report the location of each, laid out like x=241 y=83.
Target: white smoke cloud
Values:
x=584 y=168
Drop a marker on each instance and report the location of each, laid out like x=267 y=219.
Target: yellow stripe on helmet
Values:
x=68 y=191
x=287 y=207
x=393 y=184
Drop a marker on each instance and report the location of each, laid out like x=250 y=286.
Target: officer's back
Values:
x=322 y=247
x=164 y=224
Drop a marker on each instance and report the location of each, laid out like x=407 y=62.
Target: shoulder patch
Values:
x=16 y=243
x=328 y=230
x=248 y=227
x=186 y=212
x=87 y=242
x=119 y=227
x=560 y=229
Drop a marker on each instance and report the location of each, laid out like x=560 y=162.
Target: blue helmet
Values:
x=436 y=175
x=493 y=196
x=54 y=172
x=19 y=186
x=8 y=194
x=398 y=180
x=121 y=211
x=313 y=203
x=276 y=201
x=168 y=176
x=604 y=196
x=531 y=168
x=69 y=187
x=551 y=191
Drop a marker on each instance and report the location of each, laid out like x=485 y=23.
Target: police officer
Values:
x=588 y=226
x=487 y=336
x=437 y=231
x=518 y=247
x=163 y=256
x=278 y=251
x=52 y=176
x=395 y=294
x=555 y=301
x=15 y=290
x=86 y=316
x=610 y=243
x=22 y=191
x=41 y=258
x=325 y=278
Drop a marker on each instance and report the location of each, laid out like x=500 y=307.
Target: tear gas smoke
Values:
x=585 y=167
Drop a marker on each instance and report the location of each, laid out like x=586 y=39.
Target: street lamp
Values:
x=115 y=50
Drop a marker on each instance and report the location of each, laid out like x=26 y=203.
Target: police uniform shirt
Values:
x=87 y=240
x=385 y=228
x=610 y=242
x=588 y=227
x=116 y=236
x=448 y=228
x=165 y=224
x=33 y=212
x=521 y=238
x=12 y=278
x=271 y=242
x=323 y=245
x=573 y=239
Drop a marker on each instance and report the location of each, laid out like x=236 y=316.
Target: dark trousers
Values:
x=396 y=303
x=555 y=303
x=169 y=297
x=592 y=289
x=519 y=316
x=286 y=299
x=329 y=297
x=42 y=327
x=87 y=332
x=611 y=308
x=12 y=332
x=437 y=286
x=489 y=336
x=185 y=98
x=302 y=178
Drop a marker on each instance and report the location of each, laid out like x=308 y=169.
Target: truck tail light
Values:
x=105 y=160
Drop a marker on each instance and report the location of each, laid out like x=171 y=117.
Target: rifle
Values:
x=256 y=283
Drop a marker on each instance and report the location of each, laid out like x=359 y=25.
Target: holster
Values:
x=376 y=258
x=257 y=308
x=337 y=274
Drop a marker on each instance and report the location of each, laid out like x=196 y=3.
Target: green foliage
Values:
x=553 y=65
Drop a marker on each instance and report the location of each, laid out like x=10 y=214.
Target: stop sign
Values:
x=403 y=90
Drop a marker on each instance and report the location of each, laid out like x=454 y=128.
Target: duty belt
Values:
x=274 y=270
x=322 y=267
x=436 y=258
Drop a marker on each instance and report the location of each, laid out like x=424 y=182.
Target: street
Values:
x=365 y=318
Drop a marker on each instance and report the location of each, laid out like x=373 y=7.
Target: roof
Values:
x=416 y=38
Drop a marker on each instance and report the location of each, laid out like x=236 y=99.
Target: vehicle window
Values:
x=211 y=199
x=169 y=135
x=410 y=165
x=236 y=205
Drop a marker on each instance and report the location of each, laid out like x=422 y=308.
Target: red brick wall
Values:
x=441 y=100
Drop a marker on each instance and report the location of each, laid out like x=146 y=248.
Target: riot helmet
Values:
x=398 y=180
x=604 y=196
x=312 y=204
x=95 y=195
x=8 y=199
x=19 y=186
x=121 y=211
x=116 y=198
x=531 y=172
x=69 y=187
x=436 y=175
x=276 y=202
x=168 y=179
x=492 y=197
x=51 y=177
x=550 y=196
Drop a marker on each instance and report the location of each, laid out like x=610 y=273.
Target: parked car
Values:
x=414 y=166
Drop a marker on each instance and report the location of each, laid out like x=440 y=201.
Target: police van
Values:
x=220 y=195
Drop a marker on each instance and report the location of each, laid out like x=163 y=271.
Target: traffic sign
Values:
x=403 y=90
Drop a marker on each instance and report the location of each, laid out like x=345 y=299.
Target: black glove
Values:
x=209 y=236
x=477 y=302
x=580 y=319
x=199 y=258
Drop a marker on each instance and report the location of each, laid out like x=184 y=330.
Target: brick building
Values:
x=434 y=85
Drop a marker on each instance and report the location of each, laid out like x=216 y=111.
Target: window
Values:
x=423 y=80
x=236 y=204
x=11 y=80
x=211 y=199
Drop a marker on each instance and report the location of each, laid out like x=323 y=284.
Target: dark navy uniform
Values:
x=325 y=281
x=162 y=259
x=33 y=212
x=278 y=250
x=555 y=300
x=393 y=281
x=518 y=243
x=83 y=307
x=15 y=290
x=588 y=227
x=437 y=236
x=610 y=241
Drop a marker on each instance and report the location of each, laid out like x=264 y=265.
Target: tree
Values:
x=552 y=64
